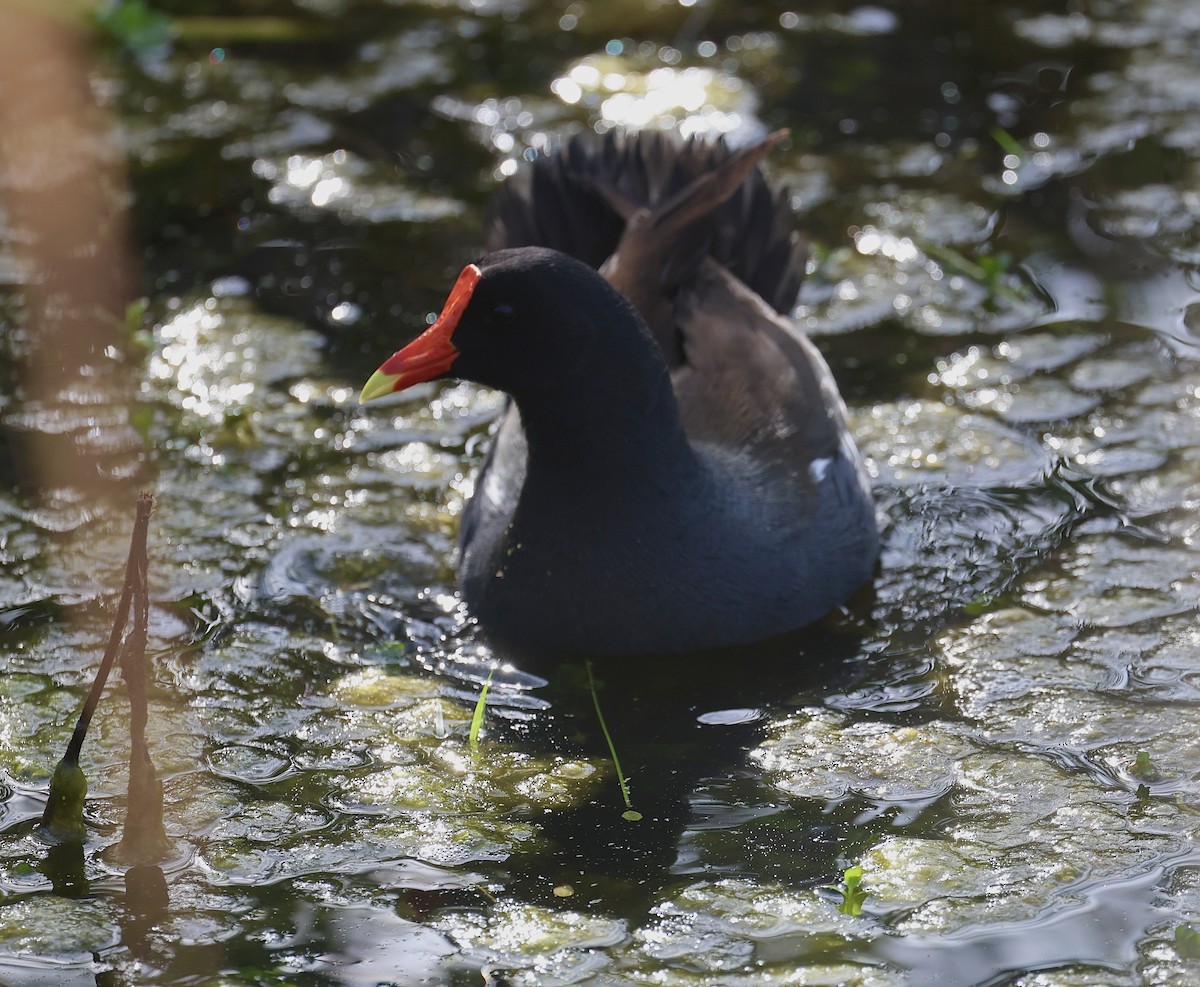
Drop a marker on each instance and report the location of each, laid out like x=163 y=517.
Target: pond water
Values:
x=1003 y=207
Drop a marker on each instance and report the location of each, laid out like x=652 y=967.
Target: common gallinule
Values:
x=674 y=471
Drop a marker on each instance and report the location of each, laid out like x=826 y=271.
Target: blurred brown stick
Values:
x=63 y=191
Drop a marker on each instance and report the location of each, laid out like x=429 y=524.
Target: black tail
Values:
x=577 y=200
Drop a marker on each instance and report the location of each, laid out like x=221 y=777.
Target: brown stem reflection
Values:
x=63 y=192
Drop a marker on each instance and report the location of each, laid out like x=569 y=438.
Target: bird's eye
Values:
x=502 y=314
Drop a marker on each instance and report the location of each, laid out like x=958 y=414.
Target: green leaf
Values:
x=135 y=314
x=1144 y=768
x=477 y=716
x=852 y=892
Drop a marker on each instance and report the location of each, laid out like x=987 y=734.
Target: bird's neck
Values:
x=609 y=435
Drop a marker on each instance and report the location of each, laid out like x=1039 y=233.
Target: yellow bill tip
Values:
x=379 y=385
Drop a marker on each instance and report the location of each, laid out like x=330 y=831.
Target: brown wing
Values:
x=750 y=380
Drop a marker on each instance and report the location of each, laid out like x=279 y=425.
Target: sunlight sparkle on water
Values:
x=355 y=187
x=567 y=90
x=870 y=241
x=198 y=367
x=417 y=457
x=960 y=369
x=694 y=99
x=666 y=90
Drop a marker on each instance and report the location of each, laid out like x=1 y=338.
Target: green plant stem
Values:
x=612 y=749
x=137 y=543
x=63 y=815
x=953 y=259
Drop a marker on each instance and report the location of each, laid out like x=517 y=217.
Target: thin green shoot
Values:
x=1008 y=143
x=988 y=272
x=260 y=29
x=630 y=813
x=480 y=706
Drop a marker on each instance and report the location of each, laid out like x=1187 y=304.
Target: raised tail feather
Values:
x=579 y=199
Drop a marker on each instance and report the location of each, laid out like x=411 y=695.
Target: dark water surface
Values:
x=1004 y=206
